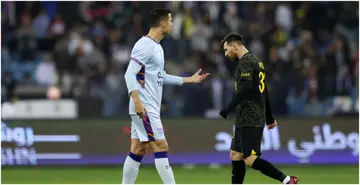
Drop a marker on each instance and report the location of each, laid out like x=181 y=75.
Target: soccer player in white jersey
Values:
x=144 y=78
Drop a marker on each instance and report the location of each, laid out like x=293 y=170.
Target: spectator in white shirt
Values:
x=45 y=71
x=283 y=17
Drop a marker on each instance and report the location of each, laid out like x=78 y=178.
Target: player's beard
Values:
x=167 y=31
x=232 y=58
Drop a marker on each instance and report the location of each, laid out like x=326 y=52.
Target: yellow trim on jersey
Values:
x=253 y=152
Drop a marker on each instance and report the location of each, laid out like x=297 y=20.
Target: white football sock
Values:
x=164 y=170
x=130 y=171
x=286 y=180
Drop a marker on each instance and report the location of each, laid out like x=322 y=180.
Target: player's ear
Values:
x=163 y=24
x=234 y=46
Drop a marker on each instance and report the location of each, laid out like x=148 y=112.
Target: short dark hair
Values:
x=158 y=15
x=233 y=37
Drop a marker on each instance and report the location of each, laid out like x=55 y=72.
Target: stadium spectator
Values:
x=310 y=49
x=45 y=71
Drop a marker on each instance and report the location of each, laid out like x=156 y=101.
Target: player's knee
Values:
x=159 y=145
x=250 y=160
x=236 y=156
x=139 y=148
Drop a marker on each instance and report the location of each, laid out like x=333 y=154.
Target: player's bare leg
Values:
x=133 y=160
x=238 y=167
x=160 y=148
x=266 y=168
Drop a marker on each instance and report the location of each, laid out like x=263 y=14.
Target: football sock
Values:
x=268 y=169
x=131 y=168
x=286 y=180
x=163 y=167
x=238 y=172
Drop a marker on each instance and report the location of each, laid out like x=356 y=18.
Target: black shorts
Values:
x=247 y=140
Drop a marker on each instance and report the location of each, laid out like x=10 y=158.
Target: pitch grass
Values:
x=324 y=174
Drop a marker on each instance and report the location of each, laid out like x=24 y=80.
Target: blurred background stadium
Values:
x=310 y=49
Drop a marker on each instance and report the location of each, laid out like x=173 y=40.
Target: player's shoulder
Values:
x=144 y=43
x=255 y=61
x=247 y=61
x=258 y=63
x=252 y=58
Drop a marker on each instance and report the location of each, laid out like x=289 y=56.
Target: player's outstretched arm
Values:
x=172 y=79
x=196 y=78
x=243 y=90
x=176 y=80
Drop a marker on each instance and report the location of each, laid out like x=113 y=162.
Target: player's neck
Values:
x=242 y=51
x=155 y=34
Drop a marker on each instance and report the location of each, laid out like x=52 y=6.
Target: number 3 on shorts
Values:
x=262 y=84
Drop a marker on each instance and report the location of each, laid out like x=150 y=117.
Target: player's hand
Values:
x=273 y=125
x=197 y=77
x=140 y=109
x=224 y=112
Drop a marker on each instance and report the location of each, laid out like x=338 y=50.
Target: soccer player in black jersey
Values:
x=252 y=113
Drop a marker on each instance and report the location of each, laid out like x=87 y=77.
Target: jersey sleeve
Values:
x=130 y=76
x=172 y=80
x=140 y=55
x=269 y=117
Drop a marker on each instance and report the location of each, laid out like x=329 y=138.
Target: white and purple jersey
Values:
x=146 y=74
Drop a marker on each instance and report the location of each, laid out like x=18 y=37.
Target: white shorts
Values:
x=148 y=129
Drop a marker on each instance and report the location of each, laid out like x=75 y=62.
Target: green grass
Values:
x=324 y=174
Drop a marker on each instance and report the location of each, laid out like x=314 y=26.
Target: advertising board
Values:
x=196 y=141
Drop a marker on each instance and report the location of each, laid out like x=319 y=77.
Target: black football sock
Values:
x=238 y=172
x=268 y=169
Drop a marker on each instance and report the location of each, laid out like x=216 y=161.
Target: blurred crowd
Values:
x=310 y=50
